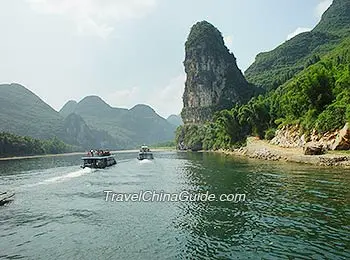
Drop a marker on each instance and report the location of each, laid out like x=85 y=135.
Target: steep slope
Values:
x=214 y=81
x=24 y=113
x=272 y=69
x=85 y=137
x=175 y=120
x=313 y=106
x=308 y=78
x=68 y=108
x=336 y=19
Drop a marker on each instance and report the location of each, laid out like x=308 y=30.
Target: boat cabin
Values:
x=145 y=153
x=98 y=159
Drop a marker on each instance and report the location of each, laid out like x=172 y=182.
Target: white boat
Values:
x=145 y=153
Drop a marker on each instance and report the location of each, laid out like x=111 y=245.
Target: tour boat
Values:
x=145 y=153
x=98 y=159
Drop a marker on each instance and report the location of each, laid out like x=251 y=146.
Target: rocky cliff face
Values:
x=292 y=136
x=214 y=82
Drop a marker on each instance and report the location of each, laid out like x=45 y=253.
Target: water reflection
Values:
x=291 y=210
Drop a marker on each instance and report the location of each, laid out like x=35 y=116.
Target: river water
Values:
x=59 y=210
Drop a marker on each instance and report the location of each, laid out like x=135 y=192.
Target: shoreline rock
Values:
x=262 y=150
x=293 y=137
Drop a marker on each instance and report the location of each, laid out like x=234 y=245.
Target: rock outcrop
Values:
x=214 y=82
x=289 y=137
x=292 y=137
x=312 y=149
x=342 y=141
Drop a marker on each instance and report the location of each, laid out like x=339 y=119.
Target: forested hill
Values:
x=309 y=82
x=91 y=123
x=128 y=127
x=15 y=145
x=317 y=99
x=24 y=113
x=272 y=69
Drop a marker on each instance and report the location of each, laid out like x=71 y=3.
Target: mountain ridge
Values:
x=81 y=123
x=307 y=79
x=129 y=127
x=273 y=68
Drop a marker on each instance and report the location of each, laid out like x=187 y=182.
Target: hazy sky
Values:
x=131 y=51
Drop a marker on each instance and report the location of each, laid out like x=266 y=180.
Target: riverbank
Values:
x=38 y=156
x=164 y=149
x=261 y=149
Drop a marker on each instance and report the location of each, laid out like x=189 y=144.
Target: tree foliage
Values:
x=15 y=145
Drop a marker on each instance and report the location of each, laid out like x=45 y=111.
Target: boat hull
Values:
x=98 y=162
x=143 y=156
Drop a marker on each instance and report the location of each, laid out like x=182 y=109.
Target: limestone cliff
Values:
x=214 y=82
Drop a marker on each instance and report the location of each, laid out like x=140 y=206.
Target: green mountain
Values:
x=24 y=113
x=272 y=69
x=89 y=123
x=308 y=78
x=175 y=120
x=68 y=108
x=86 y=137
x=336 y=19
x=129 y=127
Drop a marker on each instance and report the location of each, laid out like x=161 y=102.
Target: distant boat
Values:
x=5 y=197
x=145 y=153
x=98 y=159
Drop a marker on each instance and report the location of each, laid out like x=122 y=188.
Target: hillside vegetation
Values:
x=15 y=145
x=272 y=69
x=24 y=113
x=128 y=127
x=91 y=123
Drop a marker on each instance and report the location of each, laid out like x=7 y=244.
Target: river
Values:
x=60 y=211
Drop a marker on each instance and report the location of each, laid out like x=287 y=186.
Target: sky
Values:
x=131 y=52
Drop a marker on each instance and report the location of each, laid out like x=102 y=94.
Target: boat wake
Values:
x=64 y=177
x=145 y=161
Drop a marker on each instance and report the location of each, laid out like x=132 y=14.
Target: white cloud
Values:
x=297 y=31
x=228 y=39
x=322 y=7
x=168 y=100
x=165 y=100
x=95 y=17
x=125 y=98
